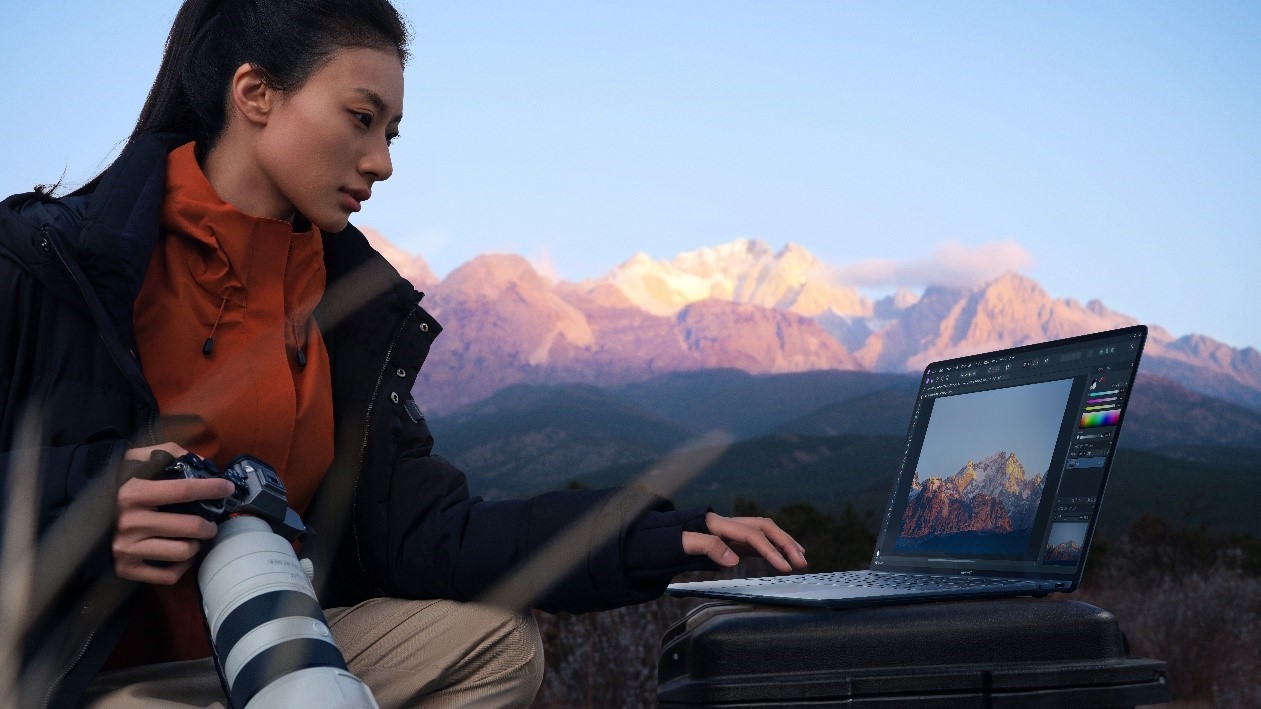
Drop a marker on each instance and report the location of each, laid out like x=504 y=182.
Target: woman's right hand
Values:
x=142 y=534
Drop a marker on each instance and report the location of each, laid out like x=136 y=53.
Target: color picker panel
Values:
x=1095 y=419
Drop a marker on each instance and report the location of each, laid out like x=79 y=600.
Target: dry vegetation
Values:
x=1188 y=597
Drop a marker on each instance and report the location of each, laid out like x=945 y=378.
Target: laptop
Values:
x=1006 y=460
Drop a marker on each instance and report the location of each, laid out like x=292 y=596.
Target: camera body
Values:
x=259 y=492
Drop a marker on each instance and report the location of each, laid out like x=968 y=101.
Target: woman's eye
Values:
x=364 y=118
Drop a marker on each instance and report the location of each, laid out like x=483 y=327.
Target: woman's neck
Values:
x=231 y=170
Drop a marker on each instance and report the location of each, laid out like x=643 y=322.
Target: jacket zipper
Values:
x=47 y=244
x=367 y=428
x=83 y=650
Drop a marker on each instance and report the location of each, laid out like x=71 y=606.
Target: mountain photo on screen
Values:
x=982 y=470
x=1065 y=543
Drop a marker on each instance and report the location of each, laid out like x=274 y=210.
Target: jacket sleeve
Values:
x=62 y=456
x=574 y=545
x=63 y=472
x=654 y=547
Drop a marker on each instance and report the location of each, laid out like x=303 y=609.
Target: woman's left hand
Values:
x=730 y=538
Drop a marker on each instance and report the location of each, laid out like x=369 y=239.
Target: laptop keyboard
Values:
x=885 y=580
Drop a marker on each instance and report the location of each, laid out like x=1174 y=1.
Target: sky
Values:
x=1107 y=150
x=1024 y=420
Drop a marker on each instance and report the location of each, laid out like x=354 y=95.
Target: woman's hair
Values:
x=284 y=40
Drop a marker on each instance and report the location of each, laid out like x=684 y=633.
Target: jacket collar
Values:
x=362 y=286
x=119 y=226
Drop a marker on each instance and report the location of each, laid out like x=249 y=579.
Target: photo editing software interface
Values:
x=1004 y=466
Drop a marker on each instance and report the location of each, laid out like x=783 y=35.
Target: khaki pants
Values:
x=410 y=653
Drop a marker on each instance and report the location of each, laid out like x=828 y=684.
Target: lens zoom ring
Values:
x=278 y=661
x=259 y=610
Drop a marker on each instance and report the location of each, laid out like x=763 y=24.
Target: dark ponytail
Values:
x=284 y=40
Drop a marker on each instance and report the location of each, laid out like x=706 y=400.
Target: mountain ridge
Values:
x=744 y=305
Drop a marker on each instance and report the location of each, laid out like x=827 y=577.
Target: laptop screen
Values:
x=1007 y=457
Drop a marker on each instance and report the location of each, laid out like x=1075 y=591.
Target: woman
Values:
x=206 y=293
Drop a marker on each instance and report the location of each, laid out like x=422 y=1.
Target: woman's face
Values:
x=325 y=144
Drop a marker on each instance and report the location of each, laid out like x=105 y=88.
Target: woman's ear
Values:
x=250 y=96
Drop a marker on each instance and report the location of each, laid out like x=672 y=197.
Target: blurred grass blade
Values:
x=17 y=556
x=522 y=588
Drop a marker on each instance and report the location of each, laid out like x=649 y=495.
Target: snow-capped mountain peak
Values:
x=742 y=271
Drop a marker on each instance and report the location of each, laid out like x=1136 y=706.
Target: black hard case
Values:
x=994 y=653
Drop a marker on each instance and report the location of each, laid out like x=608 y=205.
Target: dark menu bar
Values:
x=1115 y=357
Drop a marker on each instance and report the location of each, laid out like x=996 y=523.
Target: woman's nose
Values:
x=378 y=163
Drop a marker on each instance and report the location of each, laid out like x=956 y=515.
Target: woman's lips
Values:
x=354 y=199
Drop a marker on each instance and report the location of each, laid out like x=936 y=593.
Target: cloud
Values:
x=543 y=264
x=951 y=264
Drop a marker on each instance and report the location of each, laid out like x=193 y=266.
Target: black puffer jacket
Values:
x=390 y=517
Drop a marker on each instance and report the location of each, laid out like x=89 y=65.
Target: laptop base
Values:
x=858 y=589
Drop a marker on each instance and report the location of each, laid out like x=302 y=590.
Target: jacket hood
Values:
x=110 y=232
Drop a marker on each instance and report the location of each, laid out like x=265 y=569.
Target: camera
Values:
x=259 y=492
x=270 y=640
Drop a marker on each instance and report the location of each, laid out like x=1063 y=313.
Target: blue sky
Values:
x=1024 y=420
x=1108 y=150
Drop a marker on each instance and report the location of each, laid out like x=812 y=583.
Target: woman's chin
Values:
x=331 y=224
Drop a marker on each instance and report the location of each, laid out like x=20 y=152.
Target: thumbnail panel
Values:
x=1064 y=546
